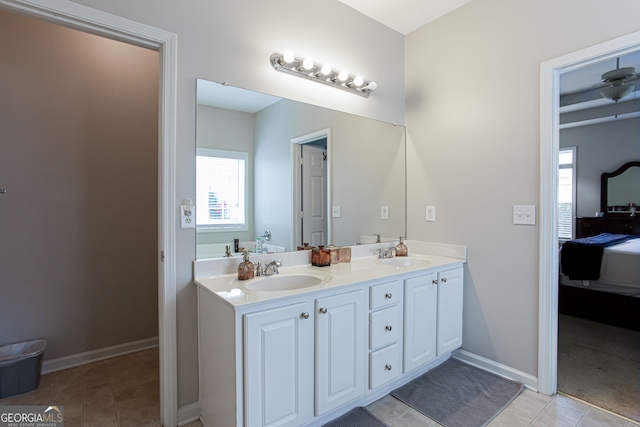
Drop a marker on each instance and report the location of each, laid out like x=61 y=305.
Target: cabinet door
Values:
x=420 y=314
x=449 y=310
x=278 y=366
x=340 y=344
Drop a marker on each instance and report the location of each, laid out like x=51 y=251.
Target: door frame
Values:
x=295 y=182
x=89 y=20
x=550 y=72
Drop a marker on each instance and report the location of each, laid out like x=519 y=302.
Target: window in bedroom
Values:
x=566 y=192
x=221 y=180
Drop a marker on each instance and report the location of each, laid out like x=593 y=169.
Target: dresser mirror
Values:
x=620 y=190
x=349 y=186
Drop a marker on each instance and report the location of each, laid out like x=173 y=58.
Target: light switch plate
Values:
x=384 y=212
x=524 y=215
x=335 y=211
x=431 y=213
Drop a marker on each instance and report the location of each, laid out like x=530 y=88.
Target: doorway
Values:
x=549 y=148
x=311 y=193
x=90 y=20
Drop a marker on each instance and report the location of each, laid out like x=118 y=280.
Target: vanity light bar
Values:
x=305 y=67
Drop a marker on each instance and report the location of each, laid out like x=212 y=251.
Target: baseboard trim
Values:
x=528 y=380
x=189 y=413
x=79 y=359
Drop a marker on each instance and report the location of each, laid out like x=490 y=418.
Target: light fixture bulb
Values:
x=289 y=57
x=358 y=81
x=372 y=86
x=307 y=64
x=343 y=76
x=325 y=70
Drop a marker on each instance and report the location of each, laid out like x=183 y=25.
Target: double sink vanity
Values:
x=304 y=346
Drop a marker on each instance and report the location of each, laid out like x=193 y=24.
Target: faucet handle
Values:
x=258 y=268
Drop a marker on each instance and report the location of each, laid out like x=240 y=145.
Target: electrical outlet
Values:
x=431 y=213
x=384 y=212
x=335 y=211
x=524 y=215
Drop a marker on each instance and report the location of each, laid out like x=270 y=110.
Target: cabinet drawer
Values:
x=384 y=327
x=384 y=294
x=384 y=365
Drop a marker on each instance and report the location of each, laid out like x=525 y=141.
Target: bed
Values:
x=609 y=292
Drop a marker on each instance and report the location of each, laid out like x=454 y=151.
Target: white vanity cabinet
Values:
x=305 y=358
x=278 y=366
x=340 y=345
x=385 y=332
x=432 y=316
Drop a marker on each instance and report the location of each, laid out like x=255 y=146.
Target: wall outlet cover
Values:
x=384 y=212
x=431 y=213
x=335 y=211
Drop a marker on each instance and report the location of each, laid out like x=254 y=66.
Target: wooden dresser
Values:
x=591 y=226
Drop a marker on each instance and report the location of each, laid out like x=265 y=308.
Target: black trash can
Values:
x=20 y=367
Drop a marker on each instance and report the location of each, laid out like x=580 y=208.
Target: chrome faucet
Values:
x=385 y=253
x=273 y=265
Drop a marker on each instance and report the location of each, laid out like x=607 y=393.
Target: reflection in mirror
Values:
x=620 y=191
x=311 y=174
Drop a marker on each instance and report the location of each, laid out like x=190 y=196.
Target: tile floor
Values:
x=124 y=392
x=120 y=392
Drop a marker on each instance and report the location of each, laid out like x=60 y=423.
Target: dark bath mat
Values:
x=357 y=417
x=455 y=394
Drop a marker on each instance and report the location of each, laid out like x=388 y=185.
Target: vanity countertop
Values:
x=361 y=269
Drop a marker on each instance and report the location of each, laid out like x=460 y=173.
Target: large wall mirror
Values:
x=304 y=173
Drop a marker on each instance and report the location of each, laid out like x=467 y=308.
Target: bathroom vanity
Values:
x=307 y=345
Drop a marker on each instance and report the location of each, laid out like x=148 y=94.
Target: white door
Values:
x=314 y=195
x=340 y=345
x=420 y=316
x=278 y=366
x=449 y=310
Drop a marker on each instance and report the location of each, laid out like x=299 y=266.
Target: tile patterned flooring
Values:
x=124 y=392
x=120 y=392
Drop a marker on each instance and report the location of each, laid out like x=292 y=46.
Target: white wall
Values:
x=232 y=41
x=472 y=89
x=601 y=148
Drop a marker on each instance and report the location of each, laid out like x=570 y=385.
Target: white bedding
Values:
x=619 y=271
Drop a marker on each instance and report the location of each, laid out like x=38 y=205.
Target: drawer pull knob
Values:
x=388 y=328
x=388 y=296
x=435 y=282
x=387 y=367
x=323 y=310
x=444 y=280
x=305 y=315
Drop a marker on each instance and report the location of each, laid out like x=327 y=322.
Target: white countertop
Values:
x=214 y=275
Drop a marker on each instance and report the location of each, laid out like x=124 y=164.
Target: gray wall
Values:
x=473 y=102
x=78 y=155
x=601 y=148
x=227 y=130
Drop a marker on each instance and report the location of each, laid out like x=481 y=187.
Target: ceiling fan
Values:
x=616 y=84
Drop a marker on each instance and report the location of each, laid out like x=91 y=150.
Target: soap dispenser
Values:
x=401 y=248
x=245 y=268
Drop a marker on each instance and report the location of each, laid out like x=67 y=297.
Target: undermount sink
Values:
x=406 y=261
x=284 y=282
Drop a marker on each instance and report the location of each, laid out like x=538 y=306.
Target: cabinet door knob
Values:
x=435 y=282
x=323 y=310
x=387 y=367
x=388 y=328
x=305 y=315
x=388 y=296
x=444 y=279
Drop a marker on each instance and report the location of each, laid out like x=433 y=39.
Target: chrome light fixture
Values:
x=322 y=73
